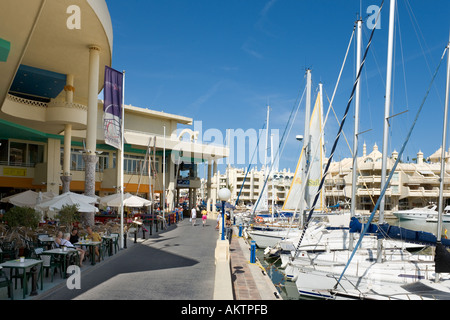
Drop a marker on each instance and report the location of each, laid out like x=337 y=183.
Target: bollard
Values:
x=135 y=235
x=143 y=231
x=125 y=240
x=253 y=252
x=151 y=227
x=240 y=230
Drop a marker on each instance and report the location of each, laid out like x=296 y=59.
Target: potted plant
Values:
x=22 y=217
x=68 y=215
x=19 y=220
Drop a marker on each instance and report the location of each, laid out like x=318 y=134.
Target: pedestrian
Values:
x=218 y=221
x=193 y=215
x=204 y=216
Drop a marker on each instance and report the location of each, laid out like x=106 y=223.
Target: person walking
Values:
x=193 y=215
x=204 y=216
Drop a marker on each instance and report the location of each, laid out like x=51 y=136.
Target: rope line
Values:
x=392 y=170
x=337 y=138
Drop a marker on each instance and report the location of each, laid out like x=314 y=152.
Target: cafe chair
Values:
x=115 y=242
x=9 y=251
x=29 y=249
x=73 y=258
x=104 y=248
x=51 y=263
x=5 y=282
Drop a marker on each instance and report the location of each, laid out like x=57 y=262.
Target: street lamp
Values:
x=224 y=195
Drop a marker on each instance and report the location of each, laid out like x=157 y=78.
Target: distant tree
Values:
x=22 y=217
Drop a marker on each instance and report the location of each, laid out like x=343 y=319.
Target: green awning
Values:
x=9 y=130
x=5 y=47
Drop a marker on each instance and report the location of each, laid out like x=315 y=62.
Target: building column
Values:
x=53 y=165
x=66 y=176
x=90 y=157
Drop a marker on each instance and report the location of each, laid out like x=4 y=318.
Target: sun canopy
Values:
x=85 y=203
x=129 y=200
x=29 y=198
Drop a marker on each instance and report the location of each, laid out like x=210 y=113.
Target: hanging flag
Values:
x=112 y=107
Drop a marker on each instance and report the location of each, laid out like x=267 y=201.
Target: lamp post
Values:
x=224 y=195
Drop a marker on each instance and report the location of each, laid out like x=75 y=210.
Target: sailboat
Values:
x=297 y=196
x=437 y=285
x=368 y=274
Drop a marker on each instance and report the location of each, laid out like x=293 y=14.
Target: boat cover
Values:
x=394 y=232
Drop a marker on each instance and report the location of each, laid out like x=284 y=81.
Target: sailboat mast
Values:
x=444 y=138
x=321 y=150
x=387 y=104
x=306 y=146
x=272 y=173
x=266 y=173
x=387 y=107
x=267 y=142
x=356 y=127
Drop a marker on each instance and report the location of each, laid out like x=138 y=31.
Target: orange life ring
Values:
x=259 y=219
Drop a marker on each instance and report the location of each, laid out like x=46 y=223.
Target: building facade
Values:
x=414 y=184
x=247 y=187
x=51 y=127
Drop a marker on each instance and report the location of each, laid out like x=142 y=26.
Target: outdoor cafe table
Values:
x=28 y=263
x=91 y=245
x=64 y=254
x=47 y=241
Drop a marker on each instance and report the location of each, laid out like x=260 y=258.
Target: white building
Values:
x=233 y=179
x=412 y=185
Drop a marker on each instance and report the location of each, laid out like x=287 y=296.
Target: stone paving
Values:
x=244 y=285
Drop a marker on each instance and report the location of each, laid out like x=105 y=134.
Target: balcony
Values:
x=53 y=112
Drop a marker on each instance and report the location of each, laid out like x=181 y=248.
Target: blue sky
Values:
x=222 y=62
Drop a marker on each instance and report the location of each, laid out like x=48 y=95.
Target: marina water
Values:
x=288 y=289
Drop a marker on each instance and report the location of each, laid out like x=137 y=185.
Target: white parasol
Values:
x=85 y=203
x=28 y=198
x=129 y=200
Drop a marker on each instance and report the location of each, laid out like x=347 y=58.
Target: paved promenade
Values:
x=177 y=264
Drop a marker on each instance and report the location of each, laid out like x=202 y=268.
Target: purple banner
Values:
x=112 y=107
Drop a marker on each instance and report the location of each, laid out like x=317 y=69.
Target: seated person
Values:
x=64 y=241
x=74 y=237
x=94 y=236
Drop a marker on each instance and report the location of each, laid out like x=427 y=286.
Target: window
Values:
x=77 y=161
x=102 y=162
x=3 y=150
x=17 y=153
x=134 y=164
x=21 y=153
x=35 y=154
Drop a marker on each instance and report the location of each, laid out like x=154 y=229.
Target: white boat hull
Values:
x=362 y=279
